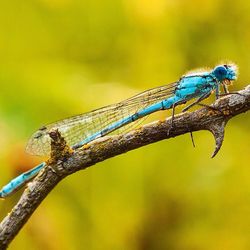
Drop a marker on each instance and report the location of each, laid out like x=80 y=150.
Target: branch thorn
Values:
x=218 y=131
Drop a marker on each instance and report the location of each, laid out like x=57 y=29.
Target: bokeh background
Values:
x=63 y=57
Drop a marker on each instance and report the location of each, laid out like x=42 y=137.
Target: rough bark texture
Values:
x=65 y=162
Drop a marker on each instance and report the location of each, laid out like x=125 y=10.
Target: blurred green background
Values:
x=63 y=57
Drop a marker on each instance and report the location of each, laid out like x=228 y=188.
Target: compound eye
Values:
x=225 y=66
x=221 y=70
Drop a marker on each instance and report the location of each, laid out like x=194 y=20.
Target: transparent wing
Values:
x=77 y=128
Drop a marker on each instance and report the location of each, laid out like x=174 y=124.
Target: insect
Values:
x=82 y=129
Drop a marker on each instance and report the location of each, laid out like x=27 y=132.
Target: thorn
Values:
x=218 y=131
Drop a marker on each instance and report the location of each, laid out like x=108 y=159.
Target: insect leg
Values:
x=210 y=107
x=231 y=93
x=192 y=138
x=173 y=112
x=197 y=102
x=226 y=91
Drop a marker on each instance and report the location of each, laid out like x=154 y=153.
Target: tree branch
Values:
x=63 y=164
